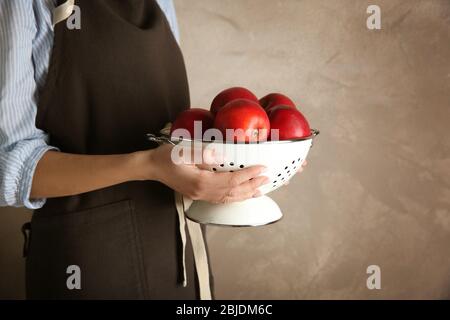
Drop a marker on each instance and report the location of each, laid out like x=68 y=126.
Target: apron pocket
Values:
x=101 y=243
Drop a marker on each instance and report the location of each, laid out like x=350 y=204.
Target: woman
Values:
x=75 y=106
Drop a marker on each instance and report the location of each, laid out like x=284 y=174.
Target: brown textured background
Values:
x=377 y=187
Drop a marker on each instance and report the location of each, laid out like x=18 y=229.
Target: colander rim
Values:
x=235 y=225
x=314 y=133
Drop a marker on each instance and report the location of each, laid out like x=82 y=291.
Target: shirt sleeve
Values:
x=21 y=143
x=168 y=8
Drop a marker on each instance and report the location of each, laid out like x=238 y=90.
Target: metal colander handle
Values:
x=159 y=139
x=315 y=132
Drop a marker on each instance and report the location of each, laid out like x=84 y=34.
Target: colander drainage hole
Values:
x=293 y=162
x=241 y=166
x=222 y=165
x=285 y=168
x=214 y=169
x=231 y=171
x=275 y=181
x=231 y=163
x=279 y=174
x=282 y=178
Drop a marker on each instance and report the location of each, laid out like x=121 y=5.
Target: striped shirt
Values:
x=26 y=39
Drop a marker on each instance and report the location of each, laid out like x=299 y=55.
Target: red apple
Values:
x=290 y=122
x=186 y=119
x=247 y=117
x=229 y=95
x=273 y=100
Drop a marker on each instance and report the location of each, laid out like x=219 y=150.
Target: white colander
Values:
x=282 y=160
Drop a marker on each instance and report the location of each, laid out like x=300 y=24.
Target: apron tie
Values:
x=63 y=11
x=198 y=247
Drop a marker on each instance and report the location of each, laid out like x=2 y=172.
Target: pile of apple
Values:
x=239 y=109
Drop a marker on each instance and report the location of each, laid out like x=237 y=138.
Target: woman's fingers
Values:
x=244 y=175
x=246 y=190
x=230 y=192
x=249 y=187
x=240 y=196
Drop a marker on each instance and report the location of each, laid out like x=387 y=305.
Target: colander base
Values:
x=249 y=213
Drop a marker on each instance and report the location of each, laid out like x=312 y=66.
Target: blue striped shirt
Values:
x=26 y=39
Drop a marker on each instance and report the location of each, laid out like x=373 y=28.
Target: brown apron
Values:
x=119 y=77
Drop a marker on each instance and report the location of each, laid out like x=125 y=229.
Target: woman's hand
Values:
x=61 y=174
x=198 y=184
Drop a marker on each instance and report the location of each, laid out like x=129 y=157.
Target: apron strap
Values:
x=63 y=11
x=198 y=247
x=179 y=203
